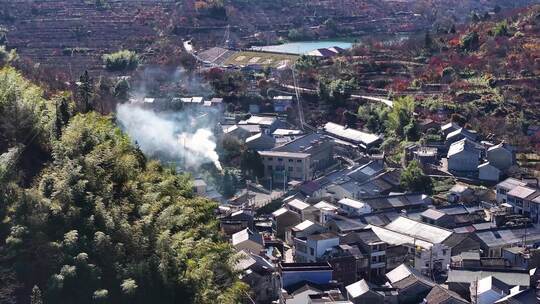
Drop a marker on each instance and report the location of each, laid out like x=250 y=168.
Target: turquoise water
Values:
x=303 y=47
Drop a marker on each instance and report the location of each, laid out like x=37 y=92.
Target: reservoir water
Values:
x=303 y=47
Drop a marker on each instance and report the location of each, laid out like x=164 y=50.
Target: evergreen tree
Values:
x=86 y=92
x=413 y=179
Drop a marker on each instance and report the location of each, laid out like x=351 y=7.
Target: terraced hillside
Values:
x=70 y=36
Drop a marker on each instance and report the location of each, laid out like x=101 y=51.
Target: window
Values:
x=311 y=251
x=280 y=159
x=444 y=251
x=291 y=160
x=270 y=158
x=374 y=259
x=298 y=160
x=291 y=169
x=270 y=168
x=502 y=191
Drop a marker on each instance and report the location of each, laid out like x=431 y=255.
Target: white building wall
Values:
x=463 y=161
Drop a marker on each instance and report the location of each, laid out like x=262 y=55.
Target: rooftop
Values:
x=354 y=135
x=397 y=238
x=280 y=211
x=521 y=192
x=462 y=145
x=245 y=235
x=305 y=266
x=259 y=120
x=304 y=225
x=439 y=294
x=397 y=201
x=512 y=278
x=298 y=204
x=505 y=237
x=302 y=144
x=286 y=132
x=357 y=289
x=404 y=272
x=433 y=214
x=432 y=234
x=354 y=203
x=283 y=154
x=325 y=205
x=510 y=183
x=322 y=236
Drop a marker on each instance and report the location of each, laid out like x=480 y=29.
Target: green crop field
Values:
x=244 y=58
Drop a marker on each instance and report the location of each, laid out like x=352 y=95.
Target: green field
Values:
x=244 y=58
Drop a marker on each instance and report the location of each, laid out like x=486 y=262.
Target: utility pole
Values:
x=298 y=102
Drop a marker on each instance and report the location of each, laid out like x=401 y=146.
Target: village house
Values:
x=303 y=209
x=449 y=128
x=365 y=292
x=412 y=286
x=260 y=275
x=463 y=157
x=303 y=230
x=364 y=140
x=460 y=193
x=397 y=202
x=282 y=103
x=460 y=134
x=492 y=242
x=429 y=247
x=353 y=207
x=373 y=247
x=267 y=123
x=248 y=241
x=326 y=211
x=501 y=156
x=260 y=141
x=236 y=221
x=283 y=219
x=488 y=172
x=524 y=198
x=522 y=257
x=441 y=295
x=294 y=273
x=349 y=263
x=314 y=246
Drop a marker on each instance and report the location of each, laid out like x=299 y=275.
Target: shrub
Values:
x=470 y=42
x=121 y=61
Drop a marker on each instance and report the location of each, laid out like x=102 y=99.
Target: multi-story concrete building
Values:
x=524 y=198
x=300 y=159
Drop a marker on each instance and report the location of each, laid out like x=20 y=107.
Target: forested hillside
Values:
x=86 y=218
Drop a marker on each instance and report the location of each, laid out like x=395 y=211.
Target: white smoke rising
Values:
x=201 y=143
x=175 y=136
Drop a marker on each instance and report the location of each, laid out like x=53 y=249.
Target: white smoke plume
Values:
x=173 y=136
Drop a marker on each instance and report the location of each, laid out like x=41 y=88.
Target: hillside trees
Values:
x=470 y=42
x=336 y=92
x=401 y=121
x=122 y=60
x=99 y=223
